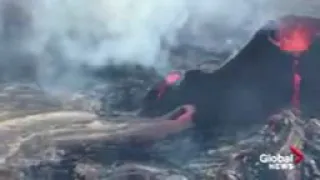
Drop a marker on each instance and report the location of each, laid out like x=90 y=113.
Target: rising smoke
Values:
x=62 y=36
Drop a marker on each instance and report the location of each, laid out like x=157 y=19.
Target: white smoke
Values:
x=95 y=32
x=67 y=34
x=98 y=31
x=101 y=32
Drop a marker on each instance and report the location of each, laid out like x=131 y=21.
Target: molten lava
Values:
x=296 y=91
x=172 y=77
x=169 y=80
x=295 y=38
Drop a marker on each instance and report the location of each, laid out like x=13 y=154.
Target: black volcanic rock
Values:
x=254 y=84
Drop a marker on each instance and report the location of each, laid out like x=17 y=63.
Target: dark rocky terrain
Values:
x=46 y=138
x=255 y=83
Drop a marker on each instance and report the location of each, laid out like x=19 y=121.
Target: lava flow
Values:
x=169 y=80
x=295 y=38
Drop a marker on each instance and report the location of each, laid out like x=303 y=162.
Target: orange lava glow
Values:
x=172 y=77
x=294 y=39
x=169 y=80
x=296 y=91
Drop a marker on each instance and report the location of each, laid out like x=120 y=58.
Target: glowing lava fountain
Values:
x=294 y=36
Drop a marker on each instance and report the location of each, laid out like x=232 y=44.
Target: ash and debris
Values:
x=228 y=159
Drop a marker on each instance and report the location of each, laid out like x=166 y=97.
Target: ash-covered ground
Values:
x=46 y=137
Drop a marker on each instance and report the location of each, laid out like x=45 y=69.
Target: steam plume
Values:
x=62 y=36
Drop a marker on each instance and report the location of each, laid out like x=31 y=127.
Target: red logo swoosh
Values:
x=297 y=153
